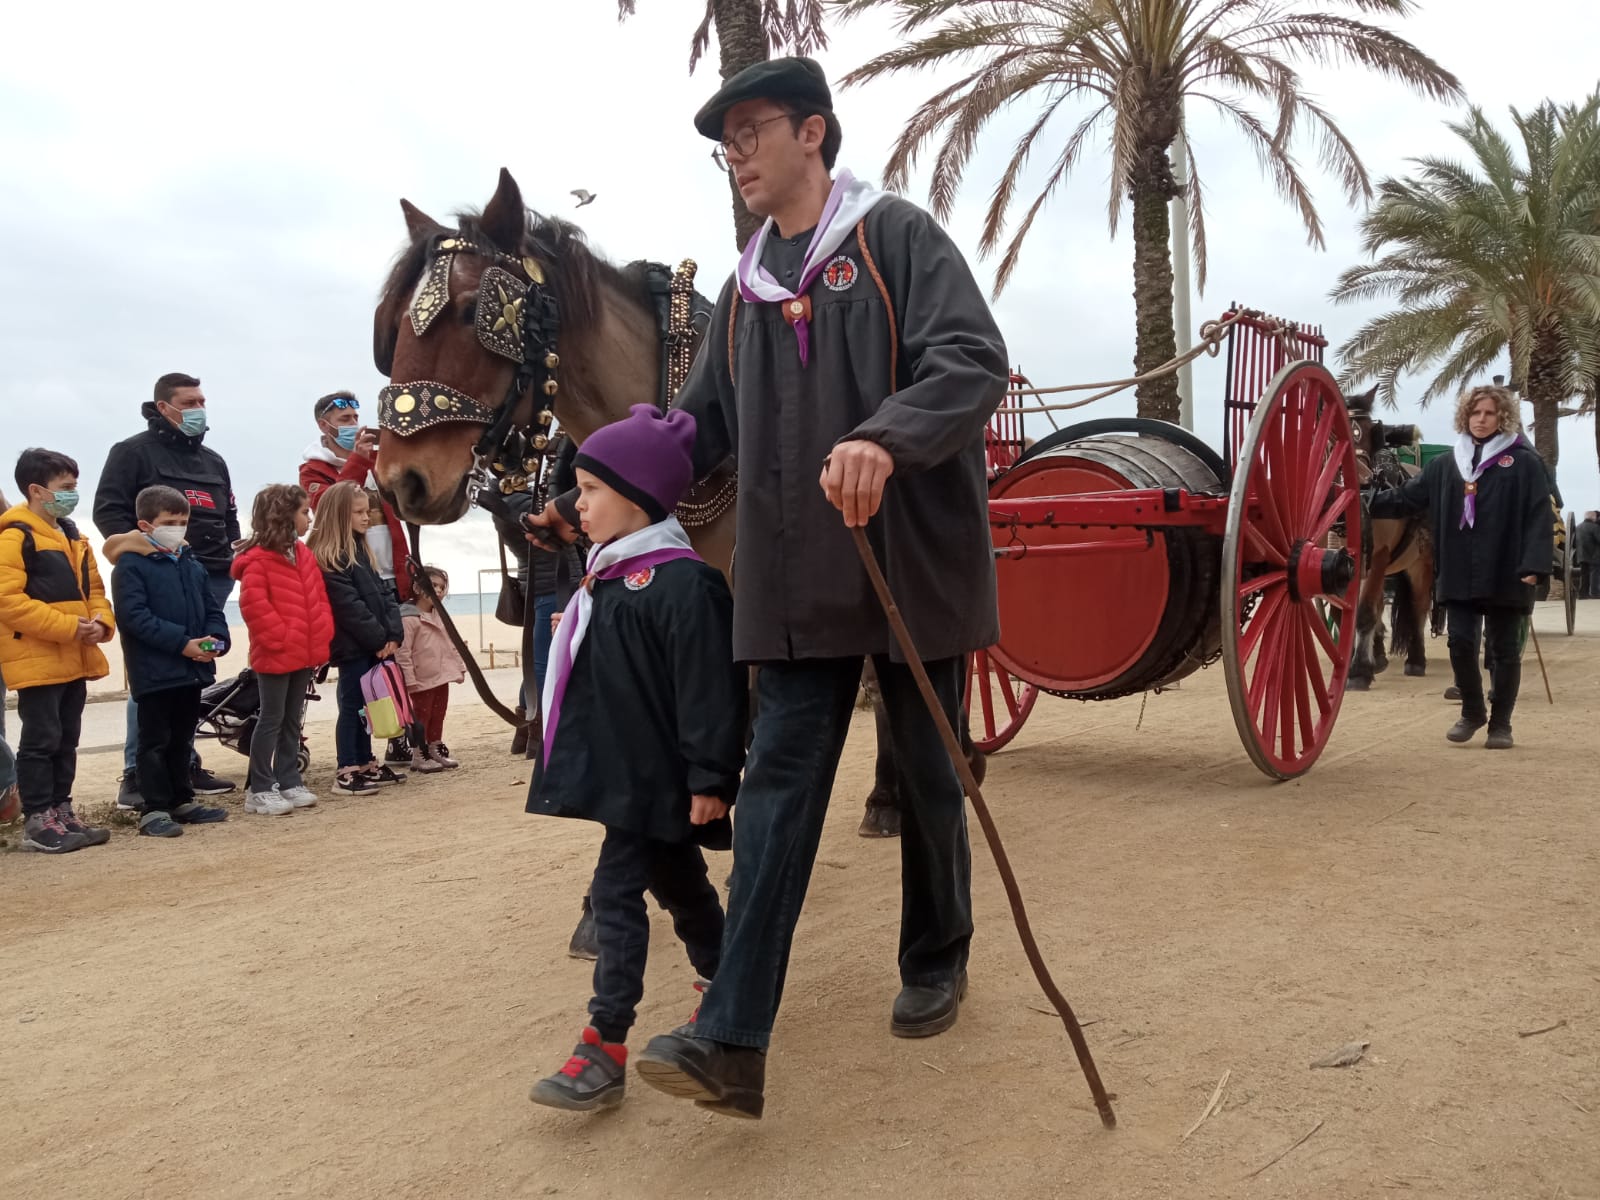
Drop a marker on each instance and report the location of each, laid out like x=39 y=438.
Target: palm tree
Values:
x=747 y=32
x=1131 y=64
x=1502 y=254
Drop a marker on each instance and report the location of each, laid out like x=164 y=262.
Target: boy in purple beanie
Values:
x=644 y=720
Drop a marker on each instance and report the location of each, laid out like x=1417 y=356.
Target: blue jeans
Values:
x=803 y=713
x=544 y=607
x=221 y=585
x=350 y=735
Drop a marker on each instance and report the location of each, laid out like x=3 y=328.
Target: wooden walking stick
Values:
x=1019 y=912
x=1539 y=654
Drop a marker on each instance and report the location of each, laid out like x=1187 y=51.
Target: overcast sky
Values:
x=213 y=189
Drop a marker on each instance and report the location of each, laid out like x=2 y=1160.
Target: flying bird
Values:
x=583 y=196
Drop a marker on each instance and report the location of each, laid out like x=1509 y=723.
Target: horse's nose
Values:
x=411 y=493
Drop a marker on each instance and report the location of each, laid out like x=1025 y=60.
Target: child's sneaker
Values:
x=43 y=831
x=382 y=776
x=594 y=1077
x=91 y=835
x=300 y=797
x=398 y=752
x=204 y=783
x=128 y=797
x=424 y=765
x=440 y=753
x=192 y=812
x=701 y=983
x=268 y=804
x=355 y=783
x=159 y=824
x=10 y=805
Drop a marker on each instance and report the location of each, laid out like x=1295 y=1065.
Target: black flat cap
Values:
x=799 y=80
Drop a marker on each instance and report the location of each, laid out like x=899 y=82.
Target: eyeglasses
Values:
x=341 y=402
x=744 y=143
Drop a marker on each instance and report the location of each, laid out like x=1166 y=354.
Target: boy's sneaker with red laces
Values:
x=91 y=835
x=594 y=1077
x=44 y=833
x=701 y=983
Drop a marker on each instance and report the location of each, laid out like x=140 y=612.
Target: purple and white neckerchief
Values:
x=642 y=550
x=1492 y=450
x=848 y=201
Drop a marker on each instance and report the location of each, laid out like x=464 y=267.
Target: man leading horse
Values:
x=852 y=366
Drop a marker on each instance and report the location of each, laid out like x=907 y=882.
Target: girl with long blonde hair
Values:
x=366 y=628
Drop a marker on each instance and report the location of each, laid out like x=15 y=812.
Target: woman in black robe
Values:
x=1489 y=506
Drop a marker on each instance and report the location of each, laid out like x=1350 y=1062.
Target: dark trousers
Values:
x=220 y=585
x=1500 y=629
x=47 y=751
x=1594 y=581
x=166 y=733
x=350 y=734
x=275 y=744
x=428 y=708
x=803 y=713
x=675 y=874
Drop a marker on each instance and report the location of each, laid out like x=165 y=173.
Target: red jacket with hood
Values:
x=285 y=608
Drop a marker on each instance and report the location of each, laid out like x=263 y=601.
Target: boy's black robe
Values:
x=1512 y=535
x=654 y=711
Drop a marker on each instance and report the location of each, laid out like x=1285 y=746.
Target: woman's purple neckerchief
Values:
x=1492 y=450
x=848 y=202
x=633 y=554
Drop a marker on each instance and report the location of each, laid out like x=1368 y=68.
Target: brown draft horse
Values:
x=1398 y=549
x=610 y=359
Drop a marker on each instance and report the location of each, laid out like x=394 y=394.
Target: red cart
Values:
x=1130 y=554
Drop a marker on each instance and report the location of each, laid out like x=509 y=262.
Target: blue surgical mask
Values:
x=61 y=504
x=346 y=437
x=194 y=421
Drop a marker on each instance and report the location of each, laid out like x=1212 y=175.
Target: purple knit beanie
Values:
x=646 y=456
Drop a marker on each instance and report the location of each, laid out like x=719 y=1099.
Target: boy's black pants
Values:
x=47 y=751
x=675 y=874
x=166 y=734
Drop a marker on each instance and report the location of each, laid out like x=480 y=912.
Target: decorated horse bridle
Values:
x=517 y=318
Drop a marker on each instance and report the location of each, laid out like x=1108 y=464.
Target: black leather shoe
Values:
x=1463 y=730
x=922 y=1010
x=1499 y=739
x=726 y=1079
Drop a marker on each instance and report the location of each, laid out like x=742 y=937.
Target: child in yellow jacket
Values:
x=53 y=617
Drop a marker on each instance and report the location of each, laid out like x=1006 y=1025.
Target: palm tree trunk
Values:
x=1545 y=393
x=741 y=43
x=1155 y=341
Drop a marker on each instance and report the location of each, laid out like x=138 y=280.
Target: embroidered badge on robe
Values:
x=840 y=273
x=1506 y=460
x=639 y=580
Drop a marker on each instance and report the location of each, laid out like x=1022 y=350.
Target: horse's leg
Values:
x=882 y=818
x=1362 y=664
x=1412 y=587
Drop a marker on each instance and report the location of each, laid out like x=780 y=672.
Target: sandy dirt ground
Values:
x=353 y=1001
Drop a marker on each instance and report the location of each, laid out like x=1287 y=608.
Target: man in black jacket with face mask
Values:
x=171 y=452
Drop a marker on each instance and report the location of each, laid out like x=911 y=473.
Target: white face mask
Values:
x=169 y=537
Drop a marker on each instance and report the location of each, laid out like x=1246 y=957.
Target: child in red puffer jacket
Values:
x=285 y=608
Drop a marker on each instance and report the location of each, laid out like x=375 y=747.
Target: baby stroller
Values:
x=229 y=708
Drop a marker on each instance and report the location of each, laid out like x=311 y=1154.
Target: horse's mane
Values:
x=576 y=274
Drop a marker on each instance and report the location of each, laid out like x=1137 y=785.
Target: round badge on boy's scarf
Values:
x=639 y=580
x=1507 y=461
x=840 y=273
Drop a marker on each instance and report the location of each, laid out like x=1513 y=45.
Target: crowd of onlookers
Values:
x=334 y=590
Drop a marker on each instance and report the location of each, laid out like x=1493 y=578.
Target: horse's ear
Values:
x=504 y=219
x=420 y=224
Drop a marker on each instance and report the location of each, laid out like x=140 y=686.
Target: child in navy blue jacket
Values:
x=172 y=631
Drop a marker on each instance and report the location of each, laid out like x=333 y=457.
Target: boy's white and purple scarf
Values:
x=1492 y=450
x=848 y=202
x=642 y=550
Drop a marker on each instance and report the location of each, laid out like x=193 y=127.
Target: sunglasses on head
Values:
x=341 y=402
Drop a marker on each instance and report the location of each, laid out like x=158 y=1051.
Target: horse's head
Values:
x=465 y=330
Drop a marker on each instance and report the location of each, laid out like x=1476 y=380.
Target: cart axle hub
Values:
x=1315 y=571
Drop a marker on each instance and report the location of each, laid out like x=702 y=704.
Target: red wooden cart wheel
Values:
x=1003 y=702
x=1289 y=602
